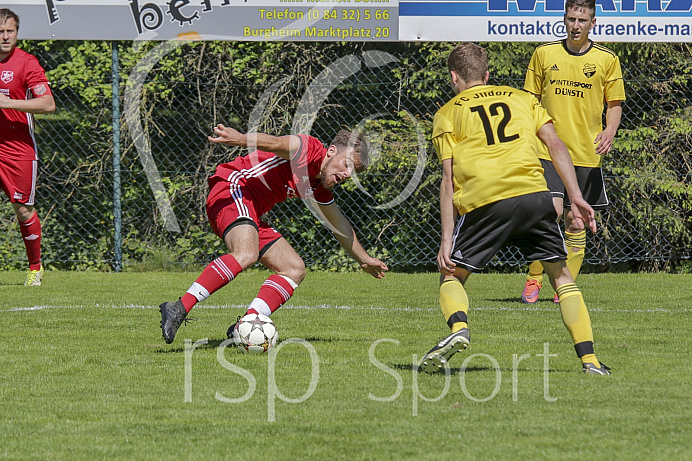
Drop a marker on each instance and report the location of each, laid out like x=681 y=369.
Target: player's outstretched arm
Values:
x=346 y=236
x=283 y=146
x=42 y=105
x=582 y=211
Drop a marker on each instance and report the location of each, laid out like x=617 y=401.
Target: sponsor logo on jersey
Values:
x=555 y=68
x=7 y=76
x=40 y=89
x=571 y=84
x=589 y=70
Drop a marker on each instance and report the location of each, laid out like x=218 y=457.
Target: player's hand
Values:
x=444 y=263
x=603 y=142
x=374 y=267
x=228 y=135
x=583 y=214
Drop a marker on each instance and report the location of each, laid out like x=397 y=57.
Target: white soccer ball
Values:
x=255 y=334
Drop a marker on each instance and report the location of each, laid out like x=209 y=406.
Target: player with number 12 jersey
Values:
x=491 y=121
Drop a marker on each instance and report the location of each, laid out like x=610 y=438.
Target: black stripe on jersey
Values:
x=300 y=149
x=604 y=49
x=559 y=42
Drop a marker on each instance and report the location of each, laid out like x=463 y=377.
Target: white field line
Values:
x=361 y=308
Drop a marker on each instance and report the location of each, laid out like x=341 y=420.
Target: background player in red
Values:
x=241 y=191
x=24 y=91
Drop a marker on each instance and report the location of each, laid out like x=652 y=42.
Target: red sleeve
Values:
x=309 y=158
x=36 y=78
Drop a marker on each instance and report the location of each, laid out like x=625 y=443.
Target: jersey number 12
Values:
x=494 y=111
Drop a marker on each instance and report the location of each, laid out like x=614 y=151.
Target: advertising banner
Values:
x=541 y=20
x=289 y=20
x=347 y=20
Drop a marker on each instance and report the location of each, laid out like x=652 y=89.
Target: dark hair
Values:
x=469 y=61
x=357 y=141
x=586 y=4
x=6 y=13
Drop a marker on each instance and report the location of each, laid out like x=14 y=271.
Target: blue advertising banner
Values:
x=541 y=20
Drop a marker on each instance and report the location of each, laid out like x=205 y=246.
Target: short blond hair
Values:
x=469 y=61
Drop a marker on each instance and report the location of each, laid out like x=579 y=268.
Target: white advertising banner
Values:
x=347 y=20
x=294 y=20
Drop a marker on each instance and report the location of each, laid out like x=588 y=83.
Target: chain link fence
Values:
x=171 y=95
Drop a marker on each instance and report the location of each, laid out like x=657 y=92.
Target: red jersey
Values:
x=21 y=77
x=270 y=179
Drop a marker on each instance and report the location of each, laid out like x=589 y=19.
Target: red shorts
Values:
x=18 y=180
x=234 y=209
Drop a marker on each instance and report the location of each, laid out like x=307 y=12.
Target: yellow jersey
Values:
x=489 y=132
x=574 y=89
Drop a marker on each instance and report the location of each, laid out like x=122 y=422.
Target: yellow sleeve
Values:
x=442 y=137
x=540 y=115
x=614 y=83
x=533 y=83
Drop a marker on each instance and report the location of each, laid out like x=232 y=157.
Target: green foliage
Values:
x=195 y=85
x=656 y=191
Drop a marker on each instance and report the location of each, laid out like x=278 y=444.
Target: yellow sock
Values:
x=575 y=316
x=575 y=251
x=535 y=272
x=454 y=304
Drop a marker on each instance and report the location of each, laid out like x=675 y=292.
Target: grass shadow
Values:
x=456 y=370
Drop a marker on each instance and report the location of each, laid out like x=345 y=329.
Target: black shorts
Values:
x=590 y=182
x=528 y=222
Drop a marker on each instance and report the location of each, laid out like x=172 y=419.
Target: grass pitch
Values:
x=86 y=374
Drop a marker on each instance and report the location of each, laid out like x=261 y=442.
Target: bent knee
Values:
x=297 y=274
x=296 y=271
x=246 y=258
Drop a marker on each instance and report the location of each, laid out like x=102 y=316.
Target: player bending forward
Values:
x=487 y=137
x=241 y=191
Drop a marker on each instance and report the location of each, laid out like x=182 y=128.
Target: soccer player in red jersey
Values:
x=24 y=91
x=241 y=191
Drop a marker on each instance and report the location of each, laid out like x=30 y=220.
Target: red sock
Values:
x=275 y=291
x=31 y=233
x=216 y=275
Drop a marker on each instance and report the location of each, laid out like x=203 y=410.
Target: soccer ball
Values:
x=255 y=334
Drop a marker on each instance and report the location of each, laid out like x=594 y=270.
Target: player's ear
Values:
x=332 y=151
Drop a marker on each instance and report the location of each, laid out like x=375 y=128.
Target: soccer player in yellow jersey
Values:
x=574 y=78
x=492 y=181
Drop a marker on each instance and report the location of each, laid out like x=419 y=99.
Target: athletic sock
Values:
x=575 y=244
x=454 y=304
x=215 y=276
x=275 y=291
x=535 y=272
x=31 y=234
x=575 y=316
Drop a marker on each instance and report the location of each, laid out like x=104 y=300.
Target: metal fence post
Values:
x=117 y=210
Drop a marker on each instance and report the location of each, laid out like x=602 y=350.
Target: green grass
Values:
x=86 y=374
